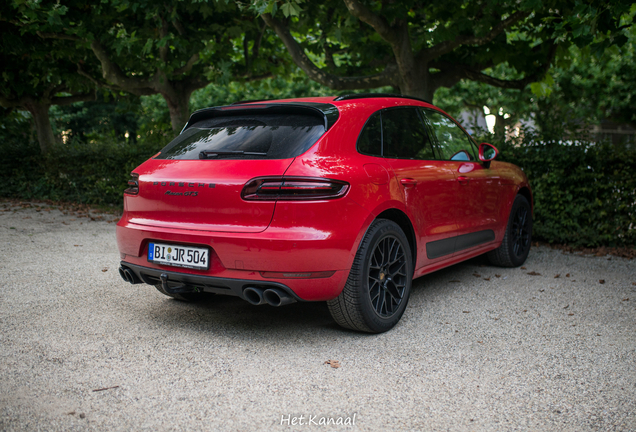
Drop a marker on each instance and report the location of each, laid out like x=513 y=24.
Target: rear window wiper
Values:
x=208 y=154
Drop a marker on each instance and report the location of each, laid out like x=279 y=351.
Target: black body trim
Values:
x=467 y=241
x=440 y=248
x=186 y=282
x=326 y=111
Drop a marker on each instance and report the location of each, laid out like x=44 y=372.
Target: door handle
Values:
x=408 y=182
x=463 y=180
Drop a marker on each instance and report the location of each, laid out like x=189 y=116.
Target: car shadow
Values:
x=236 y=318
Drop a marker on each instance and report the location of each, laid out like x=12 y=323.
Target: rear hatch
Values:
x=196 y=181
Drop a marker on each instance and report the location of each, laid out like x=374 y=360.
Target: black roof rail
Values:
x=373 y=95
x=250 y=100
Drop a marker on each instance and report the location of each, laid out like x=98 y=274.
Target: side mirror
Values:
x=487 y=152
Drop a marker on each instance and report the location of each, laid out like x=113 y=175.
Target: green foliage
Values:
x=580 y=90
x=584 y=193
x=95 y=120
x=15 y=127
x=92 y=173
x=294 y=85
x=35 y=68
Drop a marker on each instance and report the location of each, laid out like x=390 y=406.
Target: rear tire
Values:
x=379 y=284
x=516 y=243
x=185 y=297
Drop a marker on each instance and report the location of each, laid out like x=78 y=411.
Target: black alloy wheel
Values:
x=516 y=243
x=521 y=231
x=377 y=291
x=387 y=276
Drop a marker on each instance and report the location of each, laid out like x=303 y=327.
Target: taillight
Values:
x=133 y=185
x=293 y=188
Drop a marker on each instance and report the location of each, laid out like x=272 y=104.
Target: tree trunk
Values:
x=40 y=113
x=500 y=126
x=179 y=107
x=421 y=88
x=419 y=83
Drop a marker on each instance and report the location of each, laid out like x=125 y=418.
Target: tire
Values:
x=516 y=243
x=185 y=297
x=379 y=284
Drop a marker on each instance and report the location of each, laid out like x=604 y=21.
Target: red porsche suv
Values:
x=344 y=200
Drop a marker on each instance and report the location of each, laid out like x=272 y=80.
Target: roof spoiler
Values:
x=328 y=112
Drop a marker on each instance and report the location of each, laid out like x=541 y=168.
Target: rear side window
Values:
x=404 y=135
x=272 y=136
x=370 y=140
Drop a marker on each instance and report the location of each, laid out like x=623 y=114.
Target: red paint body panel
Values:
x=441 y=199
x=208 y=195
x=431 y=203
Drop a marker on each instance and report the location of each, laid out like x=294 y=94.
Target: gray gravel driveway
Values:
x=479 y=347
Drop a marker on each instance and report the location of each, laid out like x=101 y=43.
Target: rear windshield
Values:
x=246 y=137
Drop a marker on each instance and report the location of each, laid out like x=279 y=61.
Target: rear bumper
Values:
x=237 y=259
x=217 y=285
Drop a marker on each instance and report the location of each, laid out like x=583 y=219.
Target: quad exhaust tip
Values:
x=271 y=296
x=253 y=295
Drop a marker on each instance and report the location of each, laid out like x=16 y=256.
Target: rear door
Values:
x=429 y=186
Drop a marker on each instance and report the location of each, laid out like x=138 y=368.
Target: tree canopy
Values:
x=37 y=74
x=60 y=52
x=146 y=47
x=418 y=47
x=584 y=87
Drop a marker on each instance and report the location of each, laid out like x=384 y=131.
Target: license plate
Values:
x=179 y=256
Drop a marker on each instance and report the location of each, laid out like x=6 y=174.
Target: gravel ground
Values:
x=479 y=347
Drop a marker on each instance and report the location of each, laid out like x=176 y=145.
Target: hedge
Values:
x=584 y=193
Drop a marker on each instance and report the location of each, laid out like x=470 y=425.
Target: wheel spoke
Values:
x=523 y=217
x=380 y=303
x=394 y=292
x=374 y=293
x=397 y=271
x=375 y=279
x=520 y=233
x=393 y=251
x=377 y=258
x=389 y=305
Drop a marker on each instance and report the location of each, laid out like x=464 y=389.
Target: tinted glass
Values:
x=452 y=141
x=404 y=134
x=370 y=140
x=247 y=137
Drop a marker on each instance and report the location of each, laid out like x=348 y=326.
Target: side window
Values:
x=452 y=141
x=404 y=135
x=370 y=139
